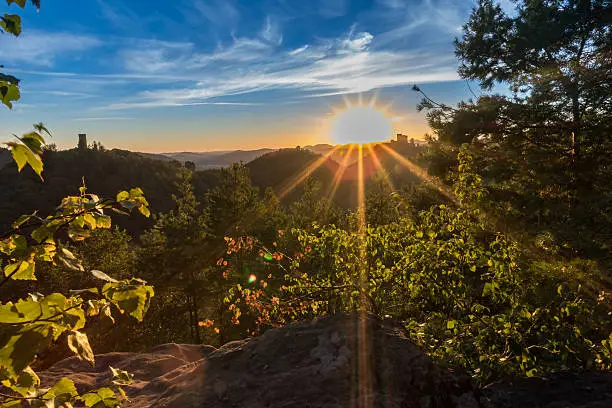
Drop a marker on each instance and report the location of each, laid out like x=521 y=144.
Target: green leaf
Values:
x=42 y=233
x=450 y=324
x=90 y=221
x=68 y=255
x=129 y=298
x=72 y=264
x=79 y=344
x=11 y=23
x=11 y=404
x=34 y=141
x=102 y=398
x=61 y=393
x=23 y=270
x=121 y=377
x=81 y=291
x=21 y=348
x=23 y=155
x=122 y=196
x=20 y=3
x=103 y=221
x=20 y=312
x=144 y=211
x=40 y=128
x=27 y=379
x=9 y=92
x=22 y=220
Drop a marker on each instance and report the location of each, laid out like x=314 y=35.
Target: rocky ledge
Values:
x=338 y=361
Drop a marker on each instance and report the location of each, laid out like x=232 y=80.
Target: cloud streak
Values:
x=43 y=48
x=348 y=64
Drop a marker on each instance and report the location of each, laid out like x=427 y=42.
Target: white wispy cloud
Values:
x=271 y=32
x=358 y=42
x=102 y=118
x=43 y=48
x=332 y=66
x=153 y=56
x=117 y=13
x=169 y=103
x=298 y=50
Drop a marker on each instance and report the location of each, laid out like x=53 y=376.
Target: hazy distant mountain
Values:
x=195 y=156
x=155 y=156
x=223 y=158
x=216 y=159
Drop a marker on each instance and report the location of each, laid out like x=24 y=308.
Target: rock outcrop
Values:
x=338 y=361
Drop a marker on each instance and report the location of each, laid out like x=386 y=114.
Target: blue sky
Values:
x=194 y=75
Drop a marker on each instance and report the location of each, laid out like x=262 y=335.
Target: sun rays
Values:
x=307 y=172
x=420 y=172
x=354 y=164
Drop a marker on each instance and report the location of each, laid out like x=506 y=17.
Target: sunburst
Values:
x=360 y=122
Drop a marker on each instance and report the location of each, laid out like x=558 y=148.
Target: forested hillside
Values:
x=105 y=172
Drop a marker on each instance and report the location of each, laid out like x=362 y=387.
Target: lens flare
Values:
x=365 y=373
x=360 y=123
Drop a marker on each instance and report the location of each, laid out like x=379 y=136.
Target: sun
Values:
x=360 y=124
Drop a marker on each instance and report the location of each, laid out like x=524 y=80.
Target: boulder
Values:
x=332 y=361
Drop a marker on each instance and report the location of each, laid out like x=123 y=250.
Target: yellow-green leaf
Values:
x=23 y=155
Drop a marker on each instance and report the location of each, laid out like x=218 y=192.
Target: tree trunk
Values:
x=196 y=320
x=576 y=126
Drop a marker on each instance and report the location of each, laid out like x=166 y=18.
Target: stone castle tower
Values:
x=82 y=141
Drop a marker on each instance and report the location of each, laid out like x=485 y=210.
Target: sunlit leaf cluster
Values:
x=30 y=325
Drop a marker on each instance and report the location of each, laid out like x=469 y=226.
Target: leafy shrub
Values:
x=472 y=298
x=29 y=325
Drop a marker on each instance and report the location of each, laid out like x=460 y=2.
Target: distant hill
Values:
x=281 y=168
x=218 y=159
x=155 y=156
x=107 y=172
x=104 y=172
